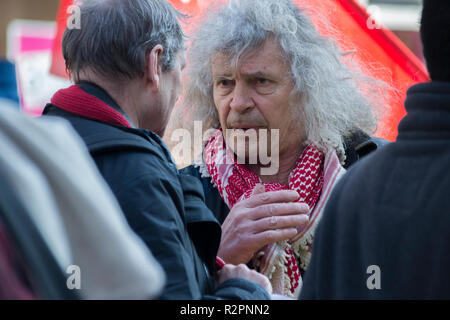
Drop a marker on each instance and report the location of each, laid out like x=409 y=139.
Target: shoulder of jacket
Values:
x=359 y=145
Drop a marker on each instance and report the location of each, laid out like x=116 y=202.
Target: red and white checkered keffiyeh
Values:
x=236 y=182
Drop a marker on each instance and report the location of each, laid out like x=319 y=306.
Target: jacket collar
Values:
x=428 y=108
x=91 y=101
x=100 y=93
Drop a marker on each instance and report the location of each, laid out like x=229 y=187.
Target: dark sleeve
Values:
x=338 y=263
x=153 y=208
x=213 y=200
x=203 y=228
x=205 y=232
x=318 y=282
x=359 y=145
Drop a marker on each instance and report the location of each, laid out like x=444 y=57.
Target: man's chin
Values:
x=247 y=156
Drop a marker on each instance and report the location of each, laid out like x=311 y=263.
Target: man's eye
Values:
x=225 y=83
x=262 y=81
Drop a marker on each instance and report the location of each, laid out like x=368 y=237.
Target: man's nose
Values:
x=241 y=99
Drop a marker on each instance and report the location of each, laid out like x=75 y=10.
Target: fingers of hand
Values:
x=247 y=229
x=283 y=222
x=270 y=197
x=267 y=285
x=256 y=277
x=259 y=188
x=277 y=235
x=235 y=271
x=279 y=209
x=262 y=280
x=230 y=271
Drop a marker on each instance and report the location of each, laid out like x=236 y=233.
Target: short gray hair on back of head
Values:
x=332 y=104
x=116 y=35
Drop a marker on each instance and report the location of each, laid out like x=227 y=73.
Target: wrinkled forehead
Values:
x=267 y=58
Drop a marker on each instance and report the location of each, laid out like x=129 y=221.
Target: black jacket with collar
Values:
x=164 y=207
x=385 y=232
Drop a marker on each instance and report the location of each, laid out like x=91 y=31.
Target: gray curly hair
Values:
x=336 y=101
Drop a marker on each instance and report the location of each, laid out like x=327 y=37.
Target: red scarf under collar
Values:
x=77 y=101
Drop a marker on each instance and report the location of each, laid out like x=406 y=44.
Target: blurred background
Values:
x=28 y=50
x=41 y=10
x=400 y=16
x=27 y=33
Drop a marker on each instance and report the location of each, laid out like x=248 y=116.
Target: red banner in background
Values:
x=376 y=49
x=58 y=66
x=345 y=21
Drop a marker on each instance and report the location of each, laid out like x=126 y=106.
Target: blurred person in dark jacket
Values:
x=126 y=61
x=386 y=230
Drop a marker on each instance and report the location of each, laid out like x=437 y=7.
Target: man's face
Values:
x=256 y=96
x=170 y=90
x=173 y=78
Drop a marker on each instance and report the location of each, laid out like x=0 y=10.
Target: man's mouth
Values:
x=246 y=127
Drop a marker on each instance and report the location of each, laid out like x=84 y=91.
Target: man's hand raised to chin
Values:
x=264 y=218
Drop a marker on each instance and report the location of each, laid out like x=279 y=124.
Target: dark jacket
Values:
x=391 y=211
x=357 y=146
x=165 y=208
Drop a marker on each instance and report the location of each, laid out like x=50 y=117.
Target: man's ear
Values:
x=154 y=69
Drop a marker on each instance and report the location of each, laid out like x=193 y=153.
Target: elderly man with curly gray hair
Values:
x=261 y=75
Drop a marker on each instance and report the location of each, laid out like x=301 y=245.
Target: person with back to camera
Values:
x=385 y=233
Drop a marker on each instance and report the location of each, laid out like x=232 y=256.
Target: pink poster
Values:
x=30 y=46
